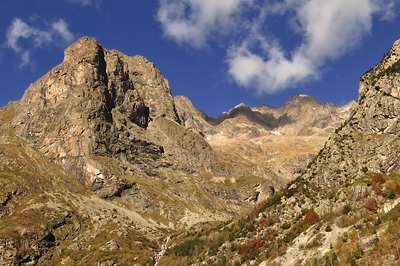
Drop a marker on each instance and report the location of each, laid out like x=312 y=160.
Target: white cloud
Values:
x=61 y=28
x=25 y=59
x=330 y=29
x=23 y=38
x=388 y=11
x=327 y=29
x=193 y=21
x=253 y=71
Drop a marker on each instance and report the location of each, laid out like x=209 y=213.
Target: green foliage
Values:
x=275 y=199
x=346 y=209
x=353 y=262
x=364 y=169
x=261 y=208
x=392 y=215
x=285 y=226
x=237 y=263
x=328 y=228
x=391 y=194
x=289 y=237
x=254 y=253
x=188 y=247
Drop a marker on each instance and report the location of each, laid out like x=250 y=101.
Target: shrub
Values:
x=285 y=226
x=267 y=221
x=343 y=221
x=282 y=250
x=377 y=187
x=391 y=194
x=254 y=253
x=188 y=247
x=398 y=188
x=346 y=209
x=253 y=244
x=275 y=199
x=371 y=205
x=289 y=237
x=311 y=217
x=328 y=228
x=378 y=178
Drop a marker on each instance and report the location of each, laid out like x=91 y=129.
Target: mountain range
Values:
x=99 y=165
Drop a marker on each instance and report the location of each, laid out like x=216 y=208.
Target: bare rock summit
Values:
x=100 y=102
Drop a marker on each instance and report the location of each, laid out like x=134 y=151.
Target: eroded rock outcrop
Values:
x=99 y=102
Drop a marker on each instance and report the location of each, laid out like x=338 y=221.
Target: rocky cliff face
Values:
x=367 y=141
x=45 y=210
x=192 y=118
x=103 y=103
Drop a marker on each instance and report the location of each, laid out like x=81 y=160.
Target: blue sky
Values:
x=219 y=53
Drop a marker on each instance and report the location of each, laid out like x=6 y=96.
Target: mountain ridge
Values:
x=265 y=119
x=99 y=165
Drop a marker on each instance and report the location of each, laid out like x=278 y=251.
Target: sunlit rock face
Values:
x=100 y=102
x=368 y=140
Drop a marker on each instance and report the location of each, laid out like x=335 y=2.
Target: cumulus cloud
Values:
x=23 y=38
x=194 y=21
x=327 y=30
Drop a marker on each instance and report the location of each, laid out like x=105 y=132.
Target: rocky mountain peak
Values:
x=305 y=100
x=240 y=109
x=381 y=74
x=241 y=105
x=100 y=102
x=193 y=119
x=85 y=49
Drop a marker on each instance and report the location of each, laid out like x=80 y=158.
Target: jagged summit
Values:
x=100 y=102
x=241 y=105
x=300 y=115
x=89 y=66
x=306 y=100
